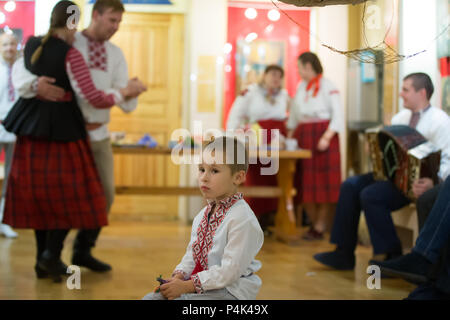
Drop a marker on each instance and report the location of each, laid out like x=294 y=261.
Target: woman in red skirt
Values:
x=54 y=185
x=315 y=120
x=264 y=104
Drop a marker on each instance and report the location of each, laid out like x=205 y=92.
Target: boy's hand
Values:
x=176 y=287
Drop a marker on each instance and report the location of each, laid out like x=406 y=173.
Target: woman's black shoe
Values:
x=51 y=265
x=42 y=274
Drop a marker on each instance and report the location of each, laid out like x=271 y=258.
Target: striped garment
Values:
x=317 y=179
x=83 y=85
x=54 y=185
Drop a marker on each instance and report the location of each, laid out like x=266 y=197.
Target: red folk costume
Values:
x=54 y=182
x=269 y=110
x=316 y=108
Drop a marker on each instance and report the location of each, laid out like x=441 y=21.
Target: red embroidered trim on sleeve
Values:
x=197 y=284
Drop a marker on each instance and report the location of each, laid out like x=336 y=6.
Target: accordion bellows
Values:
x=320 y=3
x=402 y=155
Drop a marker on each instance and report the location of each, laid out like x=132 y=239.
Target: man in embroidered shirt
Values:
x=8 y=96
x=379 y=198
x=220 y=259
x=109 y=70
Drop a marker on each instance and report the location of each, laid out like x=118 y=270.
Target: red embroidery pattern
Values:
x=197 y=284
x=11 y=93
x=205 y=231
x=97 y=55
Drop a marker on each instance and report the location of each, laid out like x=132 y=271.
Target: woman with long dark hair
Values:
x=54 y=185
x=315 y=120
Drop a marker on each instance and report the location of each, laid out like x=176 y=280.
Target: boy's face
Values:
x=216 y=181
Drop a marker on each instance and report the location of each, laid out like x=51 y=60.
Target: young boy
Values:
x=219 y=263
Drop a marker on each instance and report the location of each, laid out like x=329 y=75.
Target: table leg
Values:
x=285 y=221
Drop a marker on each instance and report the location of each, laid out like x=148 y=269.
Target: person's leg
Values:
x=219 y=294
x=154 y=296
x=419 y=266
x=50 y=260
x=345 y=227
x=424 y=204
x=435 y=233
x=378 y=201
x=323 y=210
x=87 y=238
x=311 y=211
x=9 y=152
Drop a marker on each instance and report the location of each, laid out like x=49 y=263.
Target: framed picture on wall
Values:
x=253 y=57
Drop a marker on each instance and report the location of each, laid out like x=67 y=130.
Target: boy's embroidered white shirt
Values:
x=326 y=105
x=253 y=105
x=231 y=259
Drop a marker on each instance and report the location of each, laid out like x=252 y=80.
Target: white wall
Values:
x=206 y=22
x=417 y=33
x=329 y=25
x=43 y=9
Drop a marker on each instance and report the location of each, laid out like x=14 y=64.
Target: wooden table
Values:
x=285 y=222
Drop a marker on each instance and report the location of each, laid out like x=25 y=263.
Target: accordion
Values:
x=401 y=154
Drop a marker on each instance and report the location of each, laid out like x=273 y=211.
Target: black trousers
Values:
x=441 y=271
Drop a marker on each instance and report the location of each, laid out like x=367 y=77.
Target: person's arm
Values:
x=121 y=80
x=23 y=80
x=440 y=137
x=238 y=113
x=83 y=85
x=244 y=240
x=29 y=85
x=293 y=120
x=337 y=120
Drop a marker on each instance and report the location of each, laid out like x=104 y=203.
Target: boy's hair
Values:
x=239 y=154
x=102 y=5
x=421 y=81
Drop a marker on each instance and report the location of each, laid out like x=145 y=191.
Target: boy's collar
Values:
x=227 y=201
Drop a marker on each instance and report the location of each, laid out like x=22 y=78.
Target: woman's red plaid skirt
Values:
x=317 y=179
x=54 y=185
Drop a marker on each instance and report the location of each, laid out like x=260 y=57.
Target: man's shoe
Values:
x=427 y=292
x=412 y=267
x=85 y=259
x=337 y=259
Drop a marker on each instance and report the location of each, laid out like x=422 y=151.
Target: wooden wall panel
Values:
x=153 y=47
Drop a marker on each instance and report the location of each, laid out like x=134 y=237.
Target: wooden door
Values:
x=153 y=47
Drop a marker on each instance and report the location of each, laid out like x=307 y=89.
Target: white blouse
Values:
x=231 y=259
x=434 y=125
x=253 y=105
x=325 y=105
x=5 y=103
